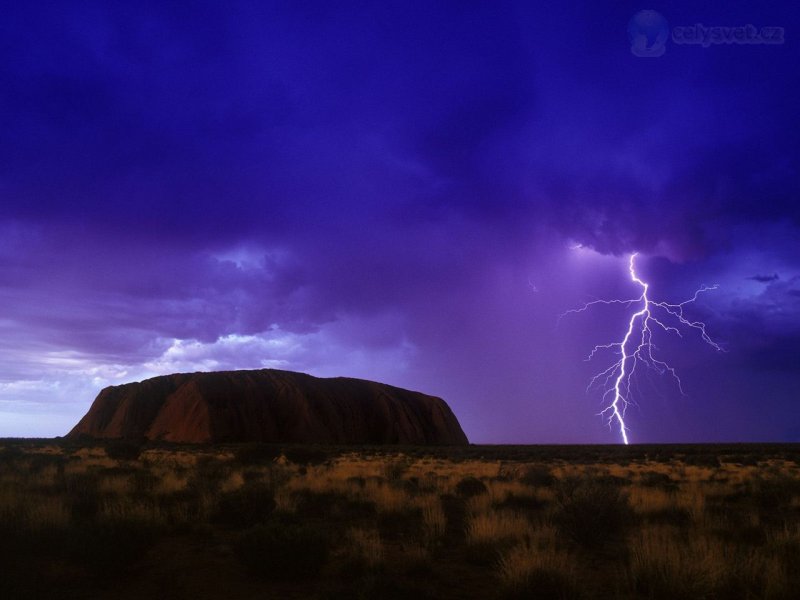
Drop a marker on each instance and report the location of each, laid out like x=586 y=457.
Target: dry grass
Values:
x=387 y=499
x=433 y=518
x=133 y=510
x=690 y=530
x=497 y=527
x=285 y=501
x=116 y=484
x=478 y=505
x=45 y=512
x=527 y=571
x=648 y=501
x=663 y=564
x=233 y=482
x=363 y=547
x=169 y=480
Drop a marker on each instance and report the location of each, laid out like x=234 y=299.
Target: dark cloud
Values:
x=764 y=278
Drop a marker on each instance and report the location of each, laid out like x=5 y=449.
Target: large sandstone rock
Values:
x=268 y=406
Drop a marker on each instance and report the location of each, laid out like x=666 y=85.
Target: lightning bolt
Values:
x=637 y=347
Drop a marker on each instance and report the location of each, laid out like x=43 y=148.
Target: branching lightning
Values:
x=637 y=347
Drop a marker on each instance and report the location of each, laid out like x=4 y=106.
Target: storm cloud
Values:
x=370 y=191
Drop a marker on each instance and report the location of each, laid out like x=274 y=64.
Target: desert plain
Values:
x=129 y=520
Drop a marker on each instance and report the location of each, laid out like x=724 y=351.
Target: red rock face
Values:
x=269 y=406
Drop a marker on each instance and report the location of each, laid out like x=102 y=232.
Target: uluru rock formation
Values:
x=268 y=405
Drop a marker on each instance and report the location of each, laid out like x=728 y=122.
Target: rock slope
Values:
x=268 y=405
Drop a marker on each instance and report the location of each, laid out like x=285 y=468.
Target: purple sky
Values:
x=399 y=193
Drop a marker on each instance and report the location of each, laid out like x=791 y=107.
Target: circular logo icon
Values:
x=648 y=32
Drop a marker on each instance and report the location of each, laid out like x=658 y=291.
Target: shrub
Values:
x=310 y=503
x=543 y=584
x=353 y=510
x=39 y=462
x=281 y=550
x=305 y=455
x=111 y=546
x=611 y=480
x=144 y=482
x=331 y=504
x=411 y=485
x=82 y=494
x=357 y=481
x=455 y=512
x=746 y=460
x=378 y=585
x=123 y=450
x=361 y=553
x=434 y=522
x=496 y=527
x=181 y=508
x=406 y=524
x=538 y=476
x=471 y=486
x=674 y=515
x=395 y=469
x=248 y=506
x=702 y=460
x=490 y=533
x=664 y=568
x=520 y=503
x=13 y=536
x=209 y=475
x=657 y=479
x=253 y=454
x=103 y=547
x=775 y=494
x=592 y=513
x=9 y=452
x=529 y=573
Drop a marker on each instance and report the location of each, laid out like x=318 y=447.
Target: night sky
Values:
x=408 y=192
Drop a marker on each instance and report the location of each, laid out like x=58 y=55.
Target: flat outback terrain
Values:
x=128 y=521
